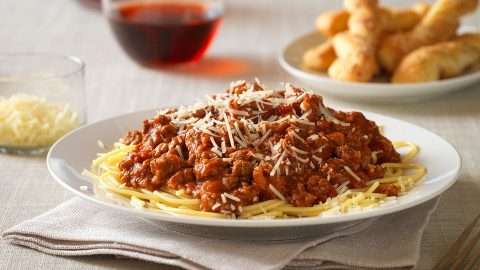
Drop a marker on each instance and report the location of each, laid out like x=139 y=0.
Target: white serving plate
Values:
x=381 y=92
x=74 y=153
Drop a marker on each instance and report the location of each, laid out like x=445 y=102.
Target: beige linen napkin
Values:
x=79 y=228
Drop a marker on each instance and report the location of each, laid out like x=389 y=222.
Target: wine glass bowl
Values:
x=156 y=33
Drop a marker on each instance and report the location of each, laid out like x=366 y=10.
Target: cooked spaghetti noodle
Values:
x=234 y=158
x=105 y=173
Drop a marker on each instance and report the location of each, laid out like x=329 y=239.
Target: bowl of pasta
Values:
x=271 y=164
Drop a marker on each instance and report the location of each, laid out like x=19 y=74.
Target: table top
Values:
x=249 y=42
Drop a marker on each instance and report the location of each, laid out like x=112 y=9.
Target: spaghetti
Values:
x=106 y=174
x=253 y=153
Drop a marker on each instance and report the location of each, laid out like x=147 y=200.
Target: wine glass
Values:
x=156 y=33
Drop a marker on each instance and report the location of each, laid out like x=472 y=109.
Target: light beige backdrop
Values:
x=248 y=44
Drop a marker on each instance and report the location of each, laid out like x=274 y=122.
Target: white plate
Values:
x=74 y=153
x=291 y=61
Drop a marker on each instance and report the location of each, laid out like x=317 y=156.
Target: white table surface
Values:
x=247 y=46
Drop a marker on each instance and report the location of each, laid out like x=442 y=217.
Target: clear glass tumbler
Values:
x=156 y=33
x=42 y=97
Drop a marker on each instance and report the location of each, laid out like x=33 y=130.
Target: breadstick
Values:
x=473 y=68
x=399 y=20
x=333 y=22
x=442 y=60
x=439 y=24
x=355 y=59
x=355 y=49
x=321 y=57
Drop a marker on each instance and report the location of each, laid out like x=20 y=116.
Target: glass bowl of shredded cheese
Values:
x=42 y=97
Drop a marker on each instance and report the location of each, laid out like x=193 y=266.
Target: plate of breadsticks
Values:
x=372 y=52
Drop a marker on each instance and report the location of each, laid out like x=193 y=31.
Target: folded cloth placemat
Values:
x=79 y=228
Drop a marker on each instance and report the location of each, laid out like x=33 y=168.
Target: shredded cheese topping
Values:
x=236 y=119
x=276 y=192
x=30 y=121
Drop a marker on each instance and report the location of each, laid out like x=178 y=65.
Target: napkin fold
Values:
x=79 y=228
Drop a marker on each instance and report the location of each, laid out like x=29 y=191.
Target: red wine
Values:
x=160 y=33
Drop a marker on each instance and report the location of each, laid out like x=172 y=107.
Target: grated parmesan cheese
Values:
x=216 y=206
x=229 y=130
x=277 y=165
x=30 y=121
x=329 y=117
x=276 y=192
x=349 y=171
x=231 y=197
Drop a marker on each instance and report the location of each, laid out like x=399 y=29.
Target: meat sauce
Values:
x=272 y=145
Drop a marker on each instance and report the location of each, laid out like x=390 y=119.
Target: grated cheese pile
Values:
x=250 y=113
x=30 y=121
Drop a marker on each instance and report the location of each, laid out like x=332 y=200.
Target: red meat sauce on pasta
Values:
x=250 y=145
